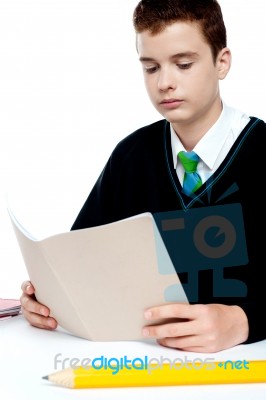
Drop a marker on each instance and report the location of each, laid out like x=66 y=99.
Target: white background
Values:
x=70 y=88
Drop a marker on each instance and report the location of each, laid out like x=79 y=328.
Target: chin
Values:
x=174 y=120
x=175 y=117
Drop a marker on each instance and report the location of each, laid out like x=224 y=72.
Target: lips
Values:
x=171 y=104
x=169 y=101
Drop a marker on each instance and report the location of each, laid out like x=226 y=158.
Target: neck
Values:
x=191 y=132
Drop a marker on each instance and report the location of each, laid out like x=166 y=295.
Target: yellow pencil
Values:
x=225 y=372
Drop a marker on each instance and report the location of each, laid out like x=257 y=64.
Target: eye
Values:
x=151 y=70
x=185 y=65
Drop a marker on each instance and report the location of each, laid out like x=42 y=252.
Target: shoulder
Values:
x=257 y=127
x=258 y=122
x=147 y=136
x=138 y=147
x=253 y=137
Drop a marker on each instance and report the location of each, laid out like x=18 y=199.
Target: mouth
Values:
x=171 y=103
x=167 y=101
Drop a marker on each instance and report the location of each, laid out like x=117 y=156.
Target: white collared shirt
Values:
x=214 y=146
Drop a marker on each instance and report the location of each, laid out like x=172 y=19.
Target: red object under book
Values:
x=9 y=307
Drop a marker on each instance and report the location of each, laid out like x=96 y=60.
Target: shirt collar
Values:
x=212 y=142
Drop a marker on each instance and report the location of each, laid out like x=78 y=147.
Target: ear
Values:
x=223 y=62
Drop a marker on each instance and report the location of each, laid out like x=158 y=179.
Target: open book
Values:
x=9 y=307
x=98 y=281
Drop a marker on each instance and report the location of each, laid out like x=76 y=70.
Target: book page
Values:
x=98 y=281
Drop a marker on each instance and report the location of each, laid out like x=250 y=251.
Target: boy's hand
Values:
x=35 y=313
x=204 y=328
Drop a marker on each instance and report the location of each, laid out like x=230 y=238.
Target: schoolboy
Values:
x=183 y=50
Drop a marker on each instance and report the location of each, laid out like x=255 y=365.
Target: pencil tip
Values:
x=45 y=377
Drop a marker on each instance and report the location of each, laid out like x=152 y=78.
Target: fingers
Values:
x=175 y=314
x=36 y=314
x=30 y=304
x=201 y=328
x=39 y=321
x=189 y=343
x=175 y=310
x=27 y=287
x=175 y=329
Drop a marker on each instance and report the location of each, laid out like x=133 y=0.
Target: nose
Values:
x=166 y=80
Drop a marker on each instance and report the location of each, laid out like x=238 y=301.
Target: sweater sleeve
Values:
x=98 y=207
x=257 y=329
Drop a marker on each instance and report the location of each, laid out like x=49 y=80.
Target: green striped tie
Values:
x=192 y=180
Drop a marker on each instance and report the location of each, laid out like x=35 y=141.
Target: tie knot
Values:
x=189 y=160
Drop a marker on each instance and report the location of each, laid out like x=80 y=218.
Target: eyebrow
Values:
x=190 y=54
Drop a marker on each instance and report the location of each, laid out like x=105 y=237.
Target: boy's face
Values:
x=180 y=75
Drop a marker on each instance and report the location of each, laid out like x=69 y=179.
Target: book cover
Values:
x=98 y=281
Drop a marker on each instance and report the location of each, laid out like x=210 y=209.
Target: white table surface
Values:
x=27 y=354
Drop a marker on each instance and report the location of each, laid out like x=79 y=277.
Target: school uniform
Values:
x=143 y=175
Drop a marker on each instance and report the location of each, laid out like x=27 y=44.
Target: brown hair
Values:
x=156 y=15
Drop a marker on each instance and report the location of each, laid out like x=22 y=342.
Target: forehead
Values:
x=179 y=37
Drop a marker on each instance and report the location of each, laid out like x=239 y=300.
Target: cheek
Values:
x=150 y=86
x=203 y=85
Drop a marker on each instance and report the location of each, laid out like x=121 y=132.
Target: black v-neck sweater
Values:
x=140 y=177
